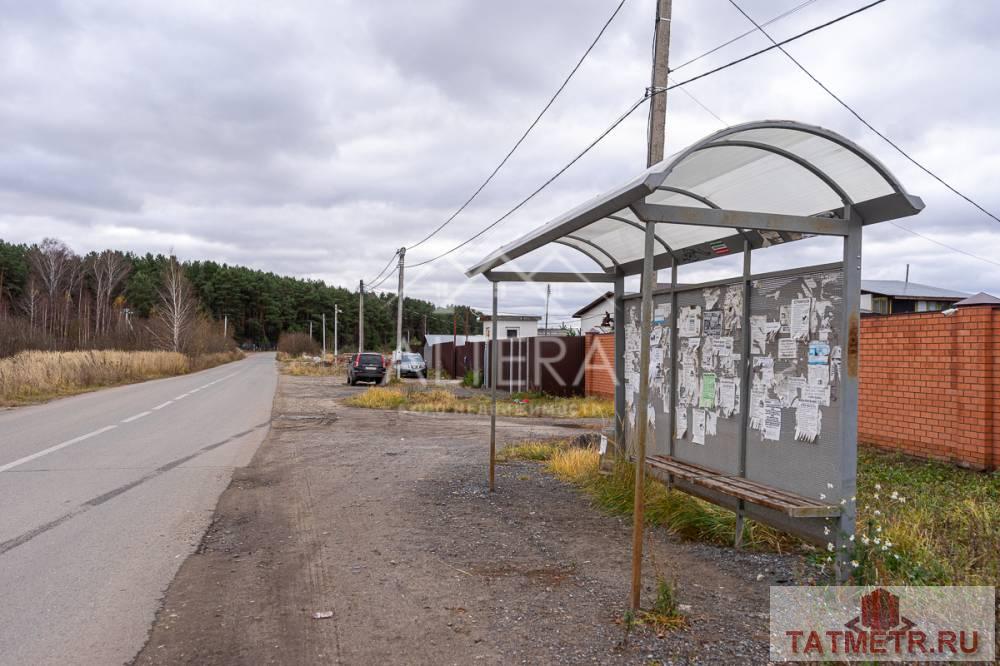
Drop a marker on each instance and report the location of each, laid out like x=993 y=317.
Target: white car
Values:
x=412 y=365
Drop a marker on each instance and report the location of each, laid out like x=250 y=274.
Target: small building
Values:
x=511 y=325
x=598 y=315
x=897 y=296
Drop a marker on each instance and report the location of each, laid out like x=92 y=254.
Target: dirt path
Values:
x=383 y=519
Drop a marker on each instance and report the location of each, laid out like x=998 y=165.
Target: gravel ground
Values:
x=383 y=519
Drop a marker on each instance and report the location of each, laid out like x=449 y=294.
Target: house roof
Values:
x=510 y=317
x=764 y=173
x=593 y=304
x=982 y=298
x=910 y=290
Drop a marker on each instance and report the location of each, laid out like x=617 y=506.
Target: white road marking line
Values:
x=163 y=404
x=136 y=417
x=52 y=449
x=182 y=396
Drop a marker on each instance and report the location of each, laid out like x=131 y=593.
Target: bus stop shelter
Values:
x=744 y=391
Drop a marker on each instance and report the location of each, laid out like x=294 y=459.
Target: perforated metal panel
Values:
x=791 y=463
x=796 y=459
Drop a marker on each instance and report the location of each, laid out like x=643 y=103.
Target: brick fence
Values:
x=927 y=384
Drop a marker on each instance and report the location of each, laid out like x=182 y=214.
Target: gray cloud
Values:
x=315 y=139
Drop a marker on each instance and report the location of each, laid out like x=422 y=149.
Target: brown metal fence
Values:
x=546 y=364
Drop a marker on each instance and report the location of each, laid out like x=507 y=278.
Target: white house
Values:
x=597 y=311
x=510 y=325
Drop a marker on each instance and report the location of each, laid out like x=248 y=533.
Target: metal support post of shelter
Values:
x=849 y=376
x=619 y=322
x=744 y=385
x=494 y=353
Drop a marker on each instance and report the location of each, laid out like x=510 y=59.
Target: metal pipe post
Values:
x=619 y=322
x=399 y=316
x=850 y=340
x=324 y=336
x=744 y=386
x=673 y=355
x=642 y=415
x=494 y=352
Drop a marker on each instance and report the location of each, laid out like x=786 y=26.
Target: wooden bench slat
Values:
x=788 y=503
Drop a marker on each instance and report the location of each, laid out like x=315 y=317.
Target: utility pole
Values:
x=361 y=317
x=657 y=89
x=324 y=336
x=225 y=321
x=548 y=293
x=336 y=311
x=311 y=329
x=425 y=329
x=657 y=140
x=454 y=341
x=399 y=316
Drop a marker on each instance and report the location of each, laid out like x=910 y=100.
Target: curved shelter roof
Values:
x=764 y=182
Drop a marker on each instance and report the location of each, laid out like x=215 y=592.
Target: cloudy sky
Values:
x=314 y=138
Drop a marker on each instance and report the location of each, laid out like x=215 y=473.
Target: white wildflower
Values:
x=826 y=531
x=829 y=547
x=878 y=486
x=852 y=538
x=822 y=496
x=854 y=563
x=865 y=540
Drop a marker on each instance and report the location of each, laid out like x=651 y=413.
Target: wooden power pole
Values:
x=399 y=316
x=657 y=140
x=361 y=317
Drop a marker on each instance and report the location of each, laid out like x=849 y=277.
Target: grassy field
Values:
x=35 y=376
x=298 y=366
x=918 y=522
x=419 y=399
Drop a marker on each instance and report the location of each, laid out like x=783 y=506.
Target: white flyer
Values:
x=808 y=421
x=698 y=426
x=772 y=420
x=711 y=423
x=689 y=325
x=818 y=394
x=727 y=395
x=682 y=421
x=799 y=318
x=757 y=397
x=758 y=334
x=788 y=348
x=819 y=375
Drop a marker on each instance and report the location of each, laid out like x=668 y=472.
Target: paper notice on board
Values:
x=757 y=397
x=711 y=424
x=764 y=370
x=808 y=420
x=711 y=323
x=818 y=394
x=707 y=400
x=711 y=296
x=723 y=345
x=655 y=335
x=788 y=348
x=727 y=395
x=798 y=318
x=819 y=353
x=783 y=319
x=772 y=420
x=661 y=313
x=689 y=324
x=819 y=375
x=682 y=422
x=698 y=426
x=758 y=334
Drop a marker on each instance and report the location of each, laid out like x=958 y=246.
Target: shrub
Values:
x=298 y=344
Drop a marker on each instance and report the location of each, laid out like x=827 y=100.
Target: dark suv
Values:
x=366 y=367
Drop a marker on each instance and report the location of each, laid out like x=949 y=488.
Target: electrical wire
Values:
x=629 y=112
x=944 y=245
x=741 y=36
x=396 y=254
x=860 y=118
x=524 y=136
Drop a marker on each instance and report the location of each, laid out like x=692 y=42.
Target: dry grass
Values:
x=538 y=450
x=35 y=376
x=445 y=400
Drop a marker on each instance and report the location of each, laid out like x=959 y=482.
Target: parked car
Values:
x=366 y=367
x=412 y=365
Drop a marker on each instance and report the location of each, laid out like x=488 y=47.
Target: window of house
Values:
x=512 y=332
x=880 y=304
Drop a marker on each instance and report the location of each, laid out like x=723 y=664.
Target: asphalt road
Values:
x=103 y=495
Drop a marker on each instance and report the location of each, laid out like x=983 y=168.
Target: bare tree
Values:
x=108 y=269
x=31 y=301
x=50 y=262
x=177 y=310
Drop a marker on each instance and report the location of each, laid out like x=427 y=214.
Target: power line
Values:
x=629 y=112
x=741 y=36
x=385 y=268
x=859 y=117
x=524 y=136
x=945 y=245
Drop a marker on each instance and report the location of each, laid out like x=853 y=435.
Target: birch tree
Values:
x=177 y=309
